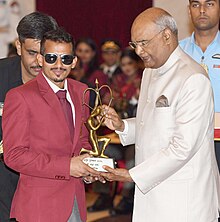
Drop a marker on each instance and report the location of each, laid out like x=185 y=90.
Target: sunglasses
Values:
x=66 y=59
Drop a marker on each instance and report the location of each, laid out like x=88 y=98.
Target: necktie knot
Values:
x=61 y=94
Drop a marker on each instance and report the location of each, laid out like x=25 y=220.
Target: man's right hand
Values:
x=79 y=169
x=112 y=119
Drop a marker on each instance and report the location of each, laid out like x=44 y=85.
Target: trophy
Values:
x=99 y=143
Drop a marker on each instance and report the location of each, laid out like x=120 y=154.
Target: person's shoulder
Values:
x=77 y=84
x=189 y=65
x=10 y=62
x=26 y=88
x=10 y=69
x=10 y=66
x=184 y=41
x=98 y=72
x=117 y=70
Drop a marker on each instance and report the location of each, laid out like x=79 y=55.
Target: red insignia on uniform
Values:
x=216 y=66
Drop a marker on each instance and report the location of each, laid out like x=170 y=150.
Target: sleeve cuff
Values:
x=125 y=131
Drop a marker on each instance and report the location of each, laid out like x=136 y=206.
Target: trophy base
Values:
x=97 y=162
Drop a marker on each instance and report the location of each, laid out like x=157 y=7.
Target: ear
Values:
x=40 y=59
x=74 y=62
x=167 y=35
x=18 y=46
x=189 y=11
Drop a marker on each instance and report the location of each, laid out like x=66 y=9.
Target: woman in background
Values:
x=86 y=51
x=126 y=86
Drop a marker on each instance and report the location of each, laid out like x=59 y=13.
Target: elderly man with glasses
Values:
x=176 y=173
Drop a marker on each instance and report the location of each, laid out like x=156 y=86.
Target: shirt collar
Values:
x=216 y=39
x=110 y=68
x=170 y=61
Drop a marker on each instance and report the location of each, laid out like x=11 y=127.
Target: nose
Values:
x=59 y=62
x=202 y=9
x=139 y=50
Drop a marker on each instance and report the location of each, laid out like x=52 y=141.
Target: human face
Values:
x=56 y=72
x=110 y=57
x=84 y=52
x=28 y=51
x=129 y=66
x=154 y=52
x=204 y=14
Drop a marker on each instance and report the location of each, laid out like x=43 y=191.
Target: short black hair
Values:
x=57 y=35
x=34 y=25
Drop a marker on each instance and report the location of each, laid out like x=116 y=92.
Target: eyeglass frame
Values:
x=59 y=55
x=143 y=43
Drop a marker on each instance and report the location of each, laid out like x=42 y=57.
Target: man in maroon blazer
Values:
x=39 y=143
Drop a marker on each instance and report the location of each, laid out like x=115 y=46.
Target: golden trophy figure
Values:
x=98 y=158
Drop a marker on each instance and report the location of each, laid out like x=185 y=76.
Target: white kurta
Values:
x=176 y=173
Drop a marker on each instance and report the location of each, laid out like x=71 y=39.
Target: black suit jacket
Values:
x=10 y=77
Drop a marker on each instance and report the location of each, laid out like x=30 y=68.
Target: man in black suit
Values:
x=15 y=71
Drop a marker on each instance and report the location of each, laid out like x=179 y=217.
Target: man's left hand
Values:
x=117 y=174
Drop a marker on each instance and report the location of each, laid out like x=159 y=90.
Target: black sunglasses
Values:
x=65 y=58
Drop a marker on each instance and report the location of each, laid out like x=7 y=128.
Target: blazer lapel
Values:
x=52 y=100
x=78 y=109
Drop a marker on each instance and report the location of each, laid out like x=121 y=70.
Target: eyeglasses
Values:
x=143 y=43
x=51 y=58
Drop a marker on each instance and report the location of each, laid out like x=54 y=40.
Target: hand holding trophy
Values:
x=93 y=123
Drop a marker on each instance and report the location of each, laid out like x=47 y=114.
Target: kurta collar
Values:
x=169 y=63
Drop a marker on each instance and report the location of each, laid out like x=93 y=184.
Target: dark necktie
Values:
x=109 y=73
x=67 y=110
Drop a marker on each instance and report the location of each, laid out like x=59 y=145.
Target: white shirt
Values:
x=55 y=88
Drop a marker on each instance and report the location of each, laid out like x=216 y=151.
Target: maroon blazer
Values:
x=37 y=143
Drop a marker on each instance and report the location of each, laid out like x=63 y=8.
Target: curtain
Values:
x=98 y=19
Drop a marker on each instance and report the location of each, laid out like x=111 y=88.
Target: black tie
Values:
x=67 y=110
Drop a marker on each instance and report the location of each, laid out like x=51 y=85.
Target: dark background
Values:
x=98 y=19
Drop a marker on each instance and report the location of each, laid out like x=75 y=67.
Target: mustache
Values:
x=59 y=69
x=36 y=67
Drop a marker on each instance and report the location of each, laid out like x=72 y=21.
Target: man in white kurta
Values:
x=176 y=173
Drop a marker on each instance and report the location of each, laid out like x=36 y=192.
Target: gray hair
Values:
x=167 y=21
